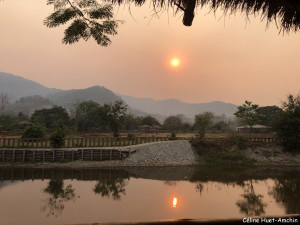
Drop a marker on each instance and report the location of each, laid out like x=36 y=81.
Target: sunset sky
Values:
x=220 y=58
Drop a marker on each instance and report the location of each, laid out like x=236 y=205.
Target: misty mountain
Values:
x=32 y=96
x=17 y=87
x=29 y=104
x=173 y=106
x=97 y=94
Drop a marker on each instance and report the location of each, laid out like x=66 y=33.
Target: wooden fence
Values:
x=253 y=140
x=43 y=155
x=106 y=142
x=79 y=142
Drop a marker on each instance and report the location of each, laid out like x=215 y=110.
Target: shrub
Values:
x=57 y=138
x=173 y=135
x=130 y=135
x=34 y=131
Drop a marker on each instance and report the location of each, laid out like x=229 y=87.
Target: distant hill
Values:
x=36 y=96
x=29 y=104
x=97 y=94
x=172 y=106
x=17 y=87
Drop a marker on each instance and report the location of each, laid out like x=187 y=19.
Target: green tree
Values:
x=87 y=115
x=9 y=122
x=131 y=122
x=173 y=123
x=35 y=131
x=89 y=19
x=287 y=124
x=248 y=113
x=3 y=106
x=267 y=114
x=51 y=118
x=57 y=138
x=113 y=116
x=150 y=121
x=221 y=126
x=203 y=122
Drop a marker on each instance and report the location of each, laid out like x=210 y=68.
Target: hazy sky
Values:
x=227 y=59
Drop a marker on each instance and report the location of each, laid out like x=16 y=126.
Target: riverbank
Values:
x=184 y=153
x=234 y=152
x=166 y=153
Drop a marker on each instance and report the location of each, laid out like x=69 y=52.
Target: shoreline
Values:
x=180 y=153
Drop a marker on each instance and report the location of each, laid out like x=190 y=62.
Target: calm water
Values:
x=48 y=196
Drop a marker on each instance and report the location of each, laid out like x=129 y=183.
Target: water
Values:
x=60 y=196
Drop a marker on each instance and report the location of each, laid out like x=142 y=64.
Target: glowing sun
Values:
x=175 y=62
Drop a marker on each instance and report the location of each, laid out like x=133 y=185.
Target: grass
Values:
x=220 y=154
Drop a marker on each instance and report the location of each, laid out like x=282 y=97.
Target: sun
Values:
x=175 y=62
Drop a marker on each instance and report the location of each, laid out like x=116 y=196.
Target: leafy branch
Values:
x=90 y=19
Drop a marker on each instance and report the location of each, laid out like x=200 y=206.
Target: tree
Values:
x=113 y=116
x=287 y=124
x=35 y=131
x=3 y=106
x=150 y=121
x=221 y=126
x=87 y=115
x=51 y=118
x=203 y=122
x=131 y=122
x=173 y=123
x=89 y=19
x=267 y=114
x=248 y=113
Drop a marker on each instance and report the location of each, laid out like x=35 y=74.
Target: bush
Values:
x=241 y=142
x=57 y=138
x=34 y=131
x=130 y=135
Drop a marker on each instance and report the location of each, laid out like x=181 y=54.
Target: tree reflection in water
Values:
x=252 y=204
x=111 y=188
x=287 y=193
x=58 y=195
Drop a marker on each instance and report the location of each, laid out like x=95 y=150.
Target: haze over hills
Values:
x=17 y=87
x=173 y=106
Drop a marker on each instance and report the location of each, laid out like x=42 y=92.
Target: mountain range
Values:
x=19 y=89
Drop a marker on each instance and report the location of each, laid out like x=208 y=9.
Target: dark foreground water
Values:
x=60 y=196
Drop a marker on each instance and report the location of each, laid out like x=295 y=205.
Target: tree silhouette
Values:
x=111 y=188
x=252 y=204
x=58 y=195
x=286 y=192
x=89 y=19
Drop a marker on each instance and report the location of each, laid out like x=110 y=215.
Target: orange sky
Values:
x=229 y=59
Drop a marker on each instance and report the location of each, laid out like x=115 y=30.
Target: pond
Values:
x=76 y=196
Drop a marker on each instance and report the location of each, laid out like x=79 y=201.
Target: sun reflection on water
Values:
x=174 y=202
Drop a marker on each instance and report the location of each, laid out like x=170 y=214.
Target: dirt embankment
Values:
x=232 y=152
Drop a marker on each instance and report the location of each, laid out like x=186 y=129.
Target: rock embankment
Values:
x=167 y=153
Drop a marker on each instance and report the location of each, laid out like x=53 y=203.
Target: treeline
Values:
x=285 y=121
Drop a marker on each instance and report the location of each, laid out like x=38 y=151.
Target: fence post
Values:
x=82 y=154
x=110 y=154
x=33 y=155
x=92 y=153
x=101 y=155
x=72 y=156
x=3 y=155
x=43 y=155
x=24 y=152
x=14 y=155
